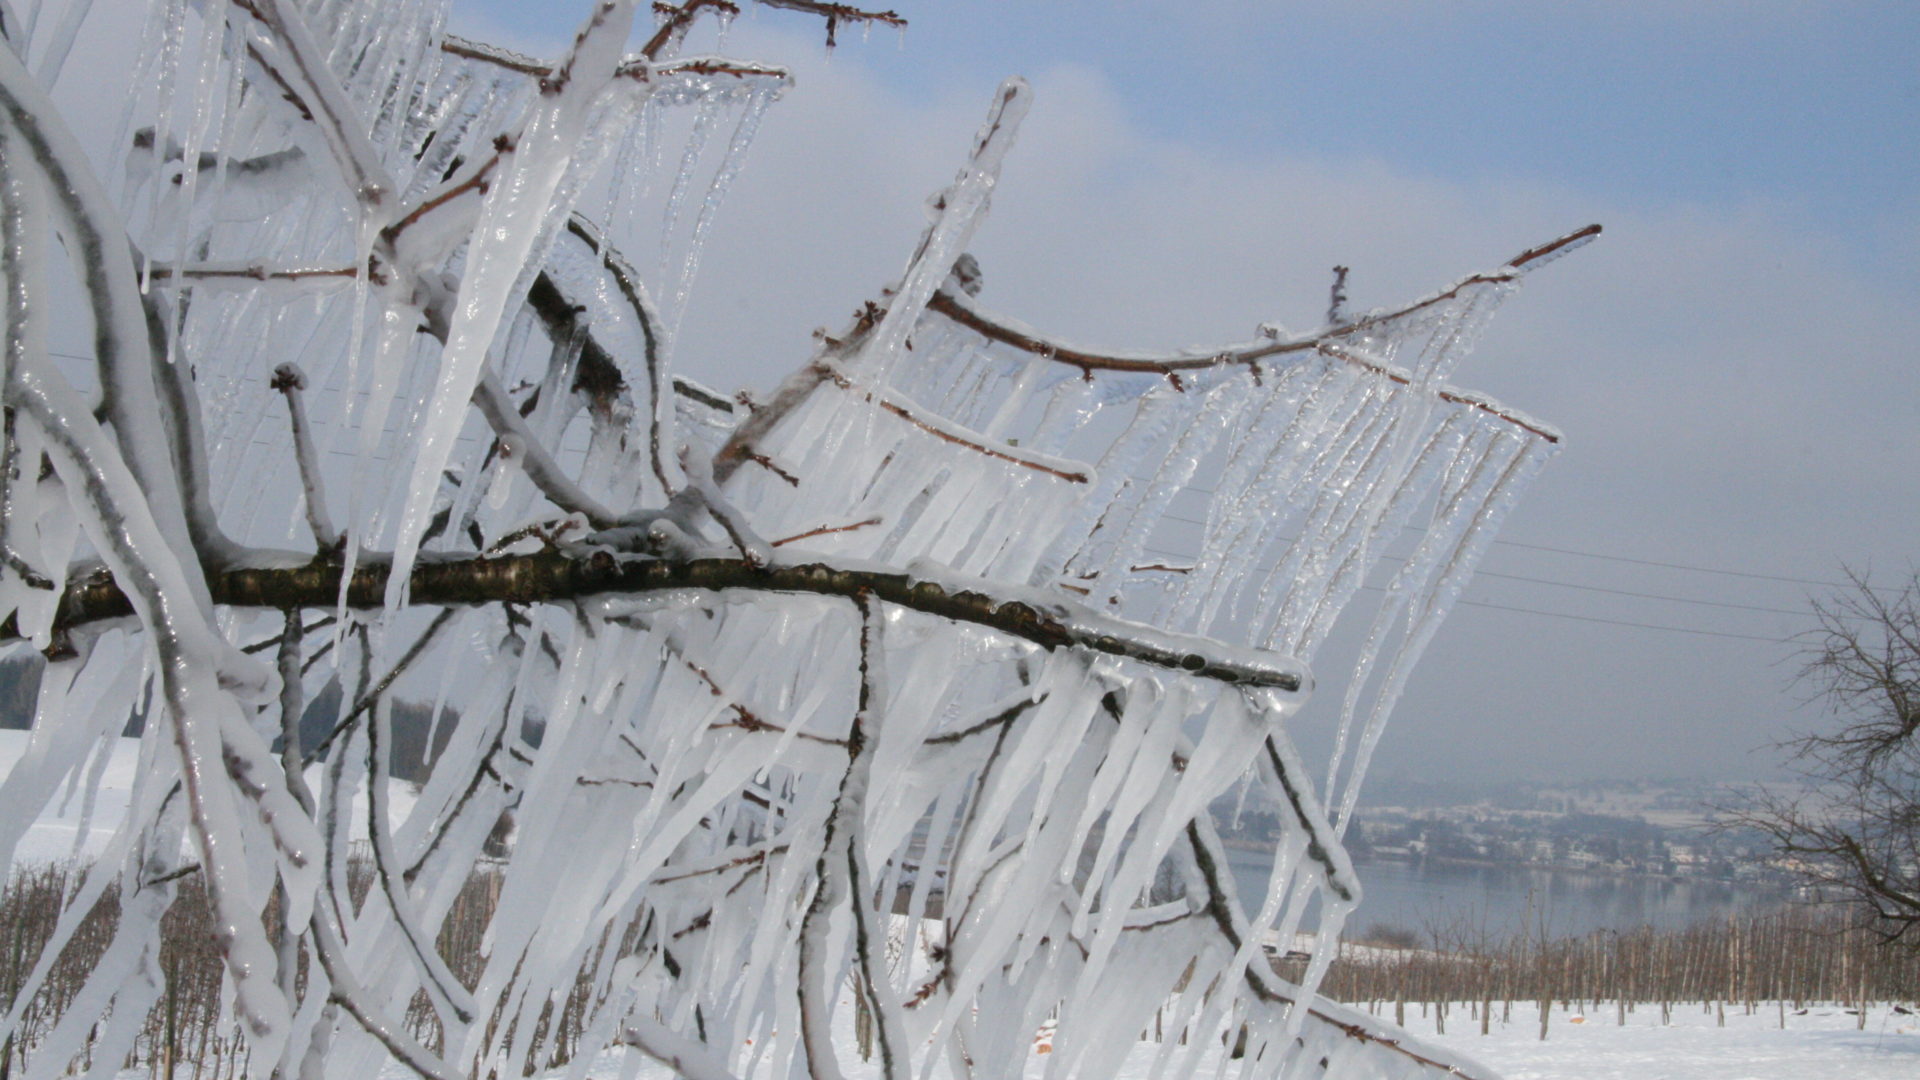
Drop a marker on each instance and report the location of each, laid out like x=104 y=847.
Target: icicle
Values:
x=958 y=212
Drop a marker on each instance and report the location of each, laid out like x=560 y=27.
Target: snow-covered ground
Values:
x=69 y=831
x=1826 y=1042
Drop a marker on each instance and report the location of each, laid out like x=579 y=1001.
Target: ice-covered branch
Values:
x=1211 y=860
x=290 y=382
x=251 y=275
x=533 y=457
x=967 y=312
x=835 y=14
x=349 y=995
x=966 y=440
x=677 y=19
x=688 y=1058
x=555 y=577
x=508 y=228
x=286 y=50
x=96 y=243
x=640 y=305
x=222 y=761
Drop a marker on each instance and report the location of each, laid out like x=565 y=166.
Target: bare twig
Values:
x=823 y=530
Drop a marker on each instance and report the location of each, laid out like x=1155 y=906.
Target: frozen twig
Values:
x=103 y=260
x=1337 y=297
x=442 y=987
x=660 y=418
x=964 y=311
x=290 y=382
x=701 y=488
x=533 y=457
x=369 y=698
x=842 y=874
x=824 y=530
x=293 y=60
x=348 y=994
x=248 y=275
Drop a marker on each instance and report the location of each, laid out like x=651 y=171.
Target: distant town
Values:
x=1651 y=828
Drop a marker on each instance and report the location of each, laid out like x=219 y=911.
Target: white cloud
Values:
x=1737 y=387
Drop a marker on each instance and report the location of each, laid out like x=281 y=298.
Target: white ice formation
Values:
x=746 y=817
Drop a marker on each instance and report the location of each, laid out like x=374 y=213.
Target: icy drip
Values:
x=54 y=58
x=705 y=116
x=730 y=165
x=1171 y=474
x=1242 y=500
x=958 y=212
x=1522 y=460
x=1079 y=545
x=1360 y=526
x=512 y=218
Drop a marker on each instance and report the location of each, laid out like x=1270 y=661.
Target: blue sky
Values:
x=1811 y=104
x=1734 y=361
x=1807 y=104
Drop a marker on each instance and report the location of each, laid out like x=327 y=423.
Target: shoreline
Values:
x=1265 y=848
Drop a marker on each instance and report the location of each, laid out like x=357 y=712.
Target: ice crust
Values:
x=727 y=806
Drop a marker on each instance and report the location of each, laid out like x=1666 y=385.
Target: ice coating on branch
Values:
x=512 y=219
x=718 y=827
x=956 y=213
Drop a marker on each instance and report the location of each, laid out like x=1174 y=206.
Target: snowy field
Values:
x=1824 y=1044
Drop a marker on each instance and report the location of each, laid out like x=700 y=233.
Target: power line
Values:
x=1676 y=566
x=1641 y=595
x=1575 y=585
x=1622 y=622
x=1619 y=558
x=1560 y=614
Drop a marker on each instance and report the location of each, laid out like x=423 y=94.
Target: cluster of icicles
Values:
x=746 y=824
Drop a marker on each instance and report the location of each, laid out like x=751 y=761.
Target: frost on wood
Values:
x=893 y=703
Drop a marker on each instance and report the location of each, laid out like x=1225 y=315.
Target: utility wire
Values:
x=1622 y=558
x=1675 y=566
x=1623 y=622
x=1557 y=614
x=1571 y=584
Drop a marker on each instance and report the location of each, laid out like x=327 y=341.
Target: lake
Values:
x=1501 y=899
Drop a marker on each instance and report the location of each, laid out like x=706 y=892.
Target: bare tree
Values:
x=1852 y=827
x=884 y=701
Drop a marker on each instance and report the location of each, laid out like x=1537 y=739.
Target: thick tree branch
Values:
x=554 y=577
